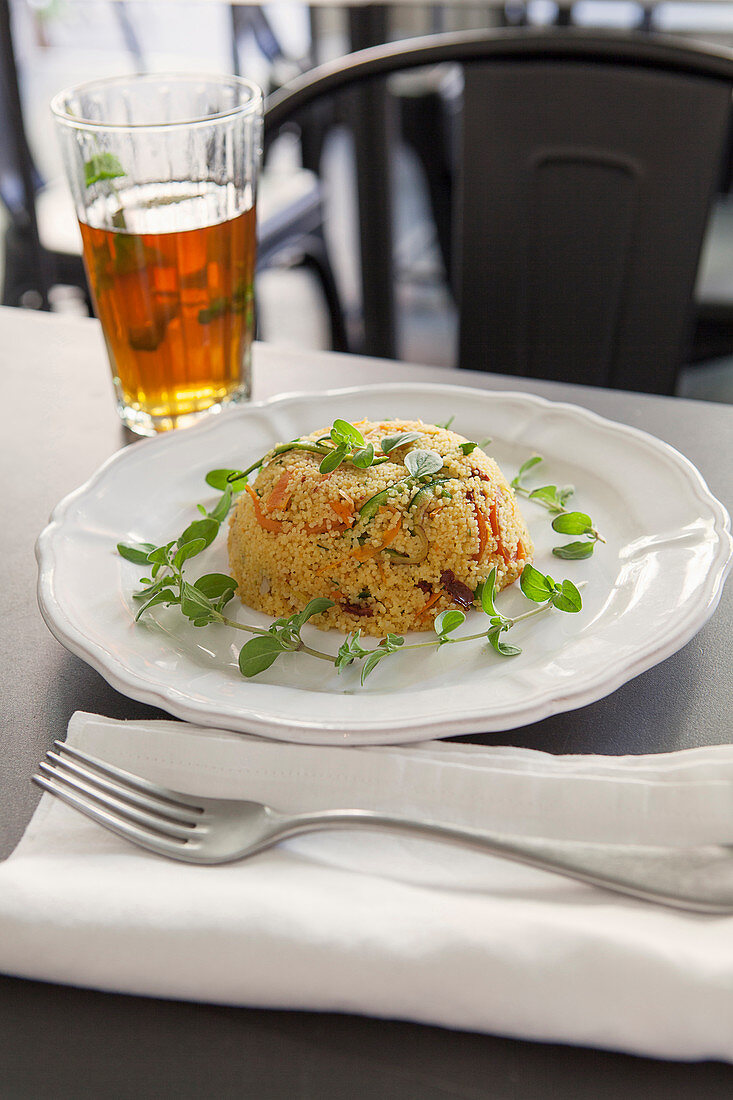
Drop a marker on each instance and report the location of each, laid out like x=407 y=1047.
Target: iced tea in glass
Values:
x=164 y=170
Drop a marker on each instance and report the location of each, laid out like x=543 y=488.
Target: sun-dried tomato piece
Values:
x=460 y=592
x=357 y=609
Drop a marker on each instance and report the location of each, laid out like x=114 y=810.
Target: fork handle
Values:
x=699 y=878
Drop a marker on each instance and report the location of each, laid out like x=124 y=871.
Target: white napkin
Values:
x=382 y=925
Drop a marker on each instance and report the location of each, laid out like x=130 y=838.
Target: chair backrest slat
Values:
x=585 y=190
x=587 y=169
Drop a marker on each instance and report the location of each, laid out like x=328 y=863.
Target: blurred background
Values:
x=62 y=42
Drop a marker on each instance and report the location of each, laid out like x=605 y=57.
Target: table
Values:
x=60 y=424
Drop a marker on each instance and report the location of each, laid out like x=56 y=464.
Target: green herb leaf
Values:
x=467 y=448
x=315 y=607
x=568 y=598
x=194 y=604
x=486 y=594
x=163 y=595
x=344 y=432
x=447 y=424
x=390 y=644
x=219 y=479
x=448 y=621
x=572 y=523
x=349 y=651
x=505 y=649
x=205 y=529
x=221 y=511
x=535 y=585
x=392 y=442
x=139 y=554
x=151 y=588
x=363 y=458
x=371 y=663
x=547 y=494
x=574 y=551
x=258 y=654
x=188 y=550
x=333 y=459
x=217 y=309
x=215 y=585
x=160 y=555
x=102 y=166
x=423 y=463
x=524 y=468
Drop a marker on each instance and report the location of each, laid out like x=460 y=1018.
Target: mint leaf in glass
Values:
x=102 y=166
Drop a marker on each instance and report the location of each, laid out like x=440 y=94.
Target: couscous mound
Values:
x=390 y=564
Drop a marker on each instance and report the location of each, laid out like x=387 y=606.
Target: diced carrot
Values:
x=280 y=495
x=332 y=565
x=496 y=531
x=273 y=525
x=429 y=603
x=494 y=520
x=344 y=511
x=483 y=532
x=363 y=553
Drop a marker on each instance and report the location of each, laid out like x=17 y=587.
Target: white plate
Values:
x=650 y=587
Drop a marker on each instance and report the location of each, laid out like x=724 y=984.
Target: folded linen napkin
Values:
x=380 y=924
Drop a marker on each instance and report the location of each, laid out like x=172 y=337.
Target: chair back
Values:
x=585 y=167
x=19 y=177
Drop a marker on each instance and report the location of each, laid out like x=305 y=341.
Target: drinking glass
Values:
x=163 y=171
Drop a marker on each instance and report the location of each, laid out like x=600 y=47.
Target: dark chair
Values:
x=42 y=245
x=290 y=211
x=31 y=268
x=585 y=168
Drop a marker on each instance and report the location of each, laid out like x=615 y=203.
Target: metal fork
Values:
x=214 y=830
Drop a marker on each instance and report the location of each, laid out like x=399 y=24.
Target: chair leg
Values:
x=310 y=253
x=316 y=259
x=425 y=127
x=24 y=270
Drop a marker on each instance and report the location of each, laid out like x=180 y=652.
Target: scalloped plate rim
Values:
x=383 y=730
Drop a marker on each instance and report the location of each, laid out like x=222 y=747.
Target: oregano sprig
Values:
x=283 y=637
x=537 y=587
x=565 y=522
x=420 y=465
x=344 y=443
x=202 y=601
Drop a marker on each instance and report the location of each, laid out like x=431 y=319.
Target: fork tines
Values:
x=153 y=817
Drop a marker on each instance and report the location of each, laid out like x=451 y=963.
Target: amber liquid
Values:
x=177 y=313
